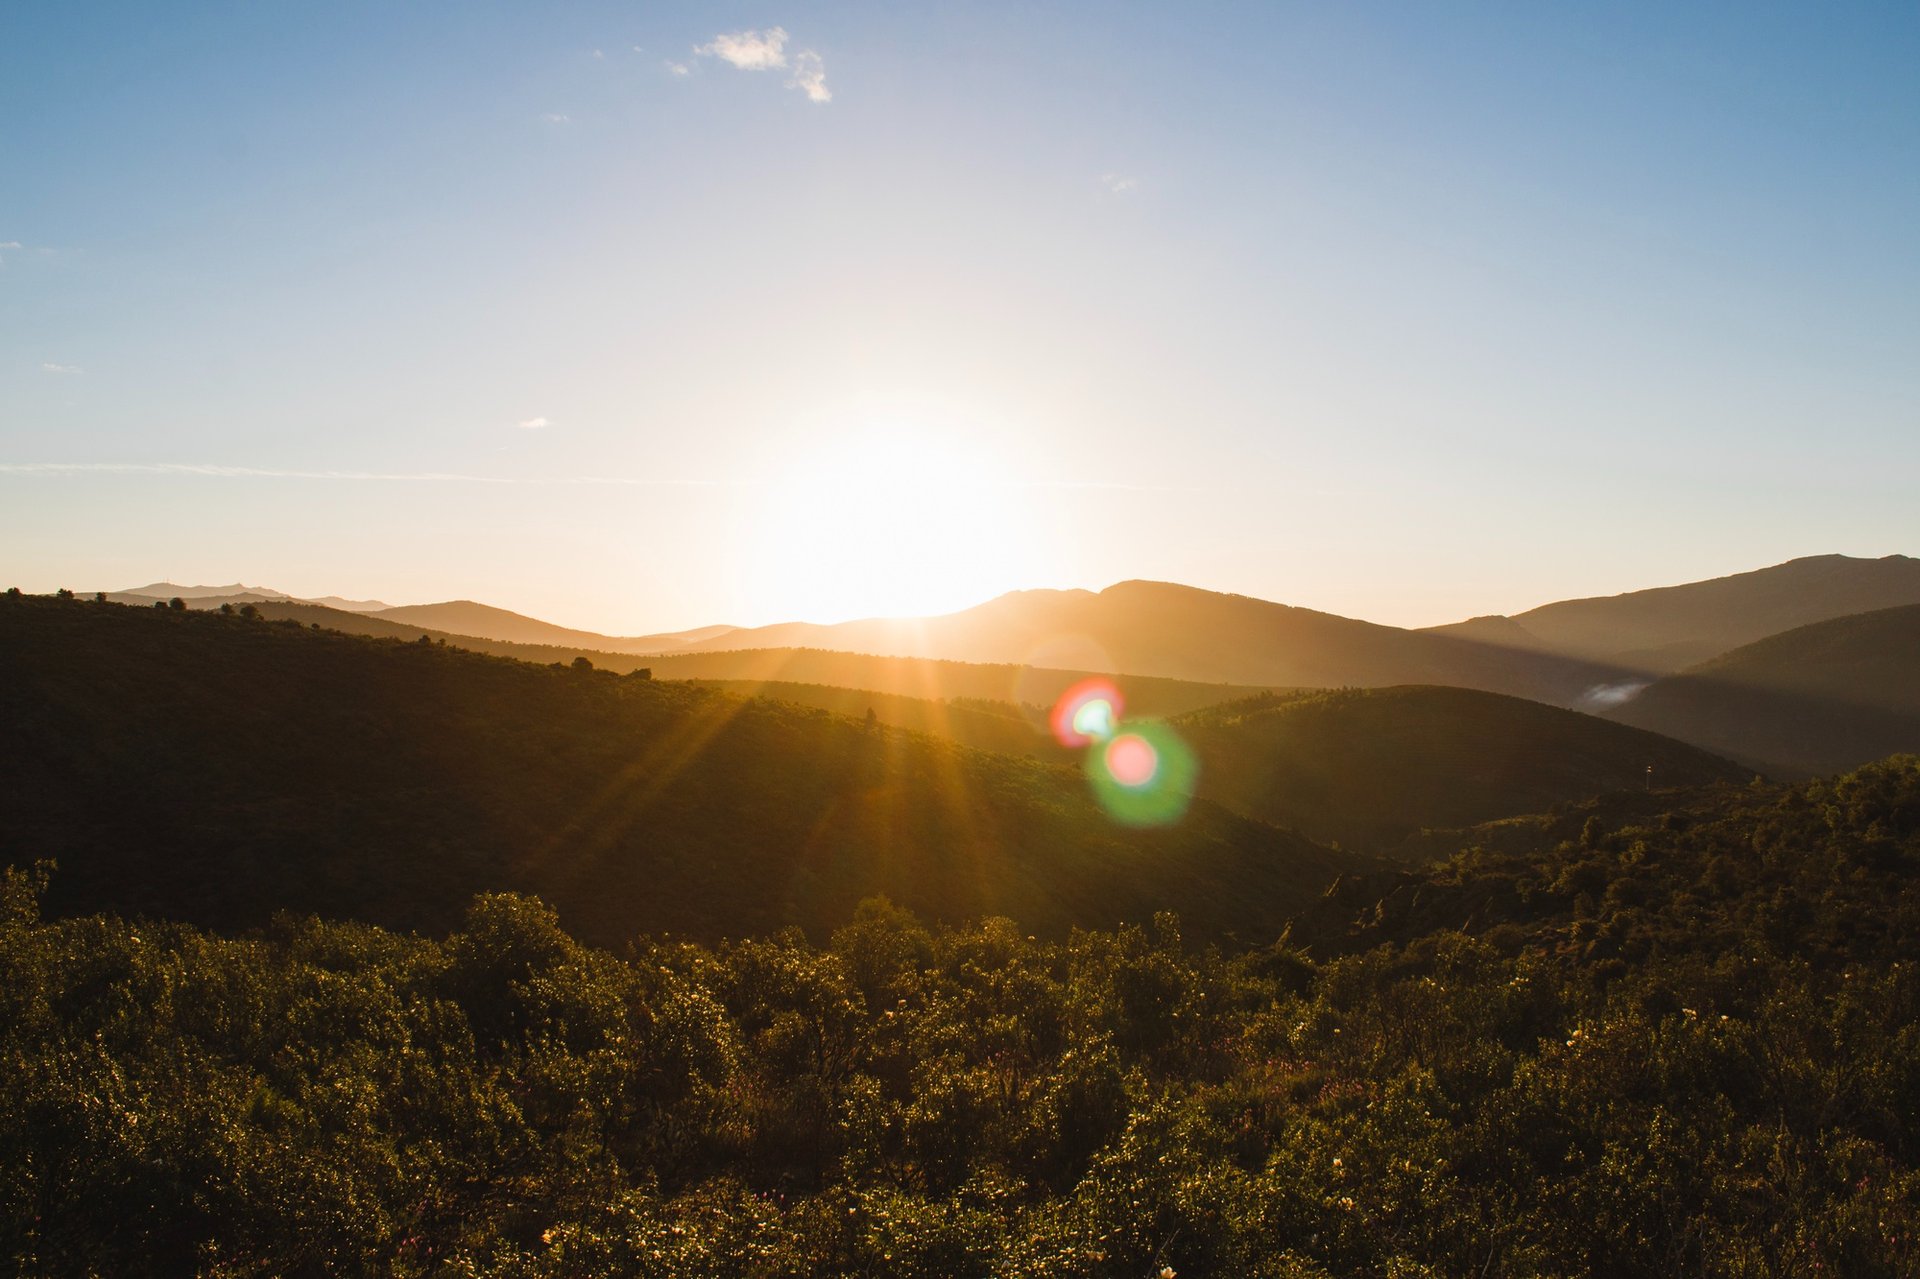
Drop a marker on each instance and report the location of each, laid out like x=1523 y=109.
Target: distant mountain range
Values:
x=1669 y=628
x=1816 y=699
x=1605 y=654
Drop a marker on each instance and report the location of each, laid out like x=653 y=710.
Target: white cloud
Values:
x=639 y=48
x=1119 y=183
x=534 y=424
x=749 y=50
x=10 y=244
x=557 y=117
x=61 y=369
x=679 y=68
x=810 y=77
x=599 y=54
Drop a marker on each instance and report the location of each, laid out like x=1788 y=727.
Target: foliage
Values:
x=1684 y=1046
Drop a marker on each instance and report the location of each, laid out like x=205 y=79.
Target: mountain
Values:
x=1815 y=700
x=465 y=617
x=755 y=671
x=171 y=590
x=1669 y=628
x=1181 y=632
x=236 y=595
x=216 y=769
x=1370 y=767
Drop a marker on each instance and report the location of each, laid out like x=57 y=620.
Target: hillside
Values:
x=1669 y=628
x=1180 y=632
x=1368 y=768
x=216 y=769
x=745 y=671
x=1815 y=700
x=484 y=621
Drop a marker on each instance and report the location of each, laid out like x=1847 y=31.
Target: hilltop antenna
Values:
x=1649 y=778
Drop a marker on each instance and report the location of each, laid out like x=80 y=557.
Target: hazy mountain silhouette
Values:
x=1817 y=699
x=1668 y=628
x=216 y=769
x=1369 y=767
x=236 y=595
x=465 y=617
x=1182 y=632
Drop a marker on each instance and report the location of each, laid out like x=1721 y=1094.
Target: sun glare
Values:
x=889 y=521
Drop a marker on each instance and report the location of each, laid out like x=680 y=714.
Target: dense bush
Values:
x=1718 y=1074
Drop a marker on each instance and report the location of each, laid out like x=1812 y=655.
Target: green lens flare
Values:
x=1143 y=775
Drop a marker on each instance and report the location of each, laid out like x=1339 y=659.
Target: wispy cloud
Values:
x=1119 y=183
x=679 y=68
x=60 y=369
x=557 y=117
x=599 y=55
x=534 y=424
x=748 y=50
x=190 y=469
x=10 y=244
x=757 y=50
x=212 y=471
x=810 y=77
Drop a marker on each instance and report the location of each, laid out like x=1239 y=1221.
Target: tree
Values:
x=177 y=604
x=581 y=663
x=63 y=594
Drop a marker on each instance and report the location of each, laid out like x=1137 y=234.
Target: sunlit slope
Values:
x=1815 y=700
x=465 y=617
x=1180 y=632
x=1368 y=767
x=747 y=671
x=1671 y=627
x=981 y=724
x=218 y=769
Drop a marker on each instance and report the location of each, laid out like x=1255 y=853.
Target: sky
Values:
x=641 y=317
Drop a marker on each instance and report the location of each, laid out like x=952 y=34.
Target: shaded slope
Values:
x=218 y=769
x=1671 y=627
x=1371 y=767
x=1818 y=699
x=1180 y=632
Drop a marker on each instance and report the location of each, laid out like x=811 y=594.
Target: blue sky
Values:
x=1402 y=311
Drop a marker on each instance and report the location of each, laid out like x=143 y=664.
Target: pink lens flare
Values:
x=1131 y=760
x=1086 y=713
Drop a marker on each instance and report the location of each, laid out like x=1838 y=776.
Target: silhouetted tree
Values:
x=582 y=664
x=177 y=604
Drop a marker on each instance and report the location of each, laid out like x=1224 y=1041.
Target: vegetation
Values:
x=215 y=768
x=1369 y=768
x=1681 y=1048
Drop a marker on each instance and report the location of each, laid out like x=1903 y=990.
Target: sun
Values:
x=886 y=521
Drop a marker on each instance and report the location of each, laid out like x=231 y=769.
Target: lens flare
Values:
x=1132 y=761
x=1087 y=713
x=1143 y=775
